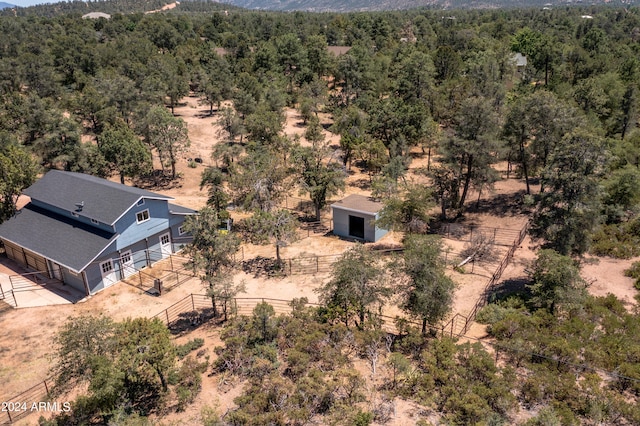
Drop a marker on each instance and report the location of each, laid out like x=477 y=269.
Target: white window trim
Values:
x=142 y=213
x=181 y=231
x=127 y=254
x=102 y=264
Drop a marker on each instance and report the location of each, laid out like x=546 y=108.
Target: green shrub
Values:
x=362 y=418
x=191 y=345
x=634 y=272
x=621 y=240
x=189 y=382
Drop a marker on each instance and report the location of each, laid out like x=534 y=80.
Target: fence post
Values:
x=171 y=261
x=15 y=302
x=317 y=264
x=9 y=415
x=140 y=278
x=46 y=388
x=166 y=312
x=193 y=304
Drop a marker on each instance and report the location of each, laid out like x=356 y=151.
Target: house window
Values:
x=181 y=230
x=126 y=257
x=106 y=267
x=95 y=222
x=141 y=202
x=142 y=216
x=164 y=240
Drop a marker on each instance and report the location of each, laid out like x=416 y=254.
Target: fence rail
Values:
x=23 y=402
x=500 y=236
x=197 y=308
x=495 y=278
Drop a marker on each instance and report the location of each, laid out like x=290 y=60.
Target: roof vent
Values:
x=79 y=206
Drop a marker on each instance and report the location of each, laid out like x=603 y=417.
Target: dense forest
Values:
x=97 y=95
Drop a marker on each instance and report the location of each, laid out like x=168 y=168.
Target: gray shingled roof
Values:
x=358 y=203
x=179 y=210
x=56 y=237
x=102 y=200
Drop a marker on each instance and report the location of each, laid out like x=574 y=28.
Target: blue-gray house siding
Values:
x=90 y=232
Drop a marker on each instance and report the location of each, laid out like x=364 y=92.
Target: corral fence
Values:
x=27 y=402
x=169 y=273
x=196 y=309
x=319 y=263
x=304 y=209
x=313 y=264
x=495 y=278
x=460 y=232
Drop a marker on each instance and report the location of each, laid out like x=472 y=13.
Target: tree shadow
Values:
x=362 y=183
x=502 y=205
x=191 y=320
x=507 y=288
x=158 y=179
x=261 y=266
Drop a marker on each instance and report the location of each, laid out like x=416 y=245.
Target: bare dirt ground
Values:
x=26 y=341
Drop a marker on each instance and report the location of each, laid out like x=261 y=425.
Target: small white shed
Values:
x=354 y=217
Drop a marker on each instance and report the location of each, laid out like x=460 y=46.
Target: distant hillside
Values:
x=5 y=5
x=371 y=5
x=112 y=7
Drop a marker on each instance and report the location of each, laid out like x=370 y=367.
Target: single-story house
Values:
x=520 y=62
x=354 y=217
x=89 y=232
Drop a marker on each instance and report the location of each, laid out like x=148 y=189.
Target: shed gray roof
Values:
x=358 y=203
x=102 y=200
x=56 y=237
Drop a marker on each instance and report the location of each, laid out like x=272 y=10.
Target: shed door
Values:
x=165 y=245
x=108 y=273
x=356 y=226
x=126 y=263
